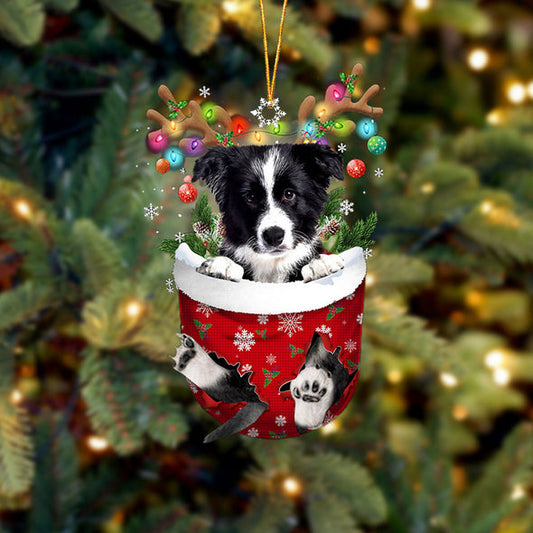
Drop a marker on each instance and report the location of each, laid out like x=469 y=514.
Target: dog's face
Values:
x=270 y=196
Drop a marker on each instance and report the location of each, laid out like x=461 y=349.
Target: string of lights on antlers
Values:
x=192 y=127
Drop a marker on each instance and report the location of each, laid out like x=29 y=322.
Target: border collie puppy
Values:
x=270 y=198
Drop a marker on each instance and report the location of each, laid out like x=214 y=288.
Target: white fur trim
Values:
x=267 y=298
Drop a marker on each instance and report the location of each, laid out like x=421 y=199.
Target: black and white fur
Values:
x=222 y=381
x=270 y=198
x=320 y=383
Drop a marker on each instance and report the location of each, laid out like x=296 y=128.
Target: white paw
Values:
x=221 y=267
x=322 y=267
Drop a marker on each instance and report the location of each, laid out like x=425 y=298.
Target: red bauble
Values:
x=162 y=165
x=356 y=168
x=187 y=193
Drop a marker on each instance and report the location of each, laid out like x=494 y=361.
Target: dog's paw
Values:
x=322 y=266
x=221 y=267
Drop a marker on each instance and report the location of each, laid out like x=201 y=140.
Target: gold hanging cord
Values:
x=272 y=82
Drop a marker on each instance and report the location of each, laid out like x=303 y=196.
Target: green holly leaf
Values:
x=202 y=328
x=294 y=350
x=269 y=376
x=261 y=333
x=174 y=108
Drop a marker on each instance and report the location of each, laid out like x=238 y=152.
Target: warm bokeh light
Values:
x=330 y=428
x=97 y=444
x=394 y=375
x=231 y=6
x=478 y=59
x=516 y=92
x=448 y=380
x=421 y=5
x=370 y=280
x=495 y=117
x=494 y=358
x=459 y=412
x=372 y=45
x=530 y=89
x=22 y=208
x=518 y=492
x=15 y=397
x=501 y=376
x=486 y=207
x=427 y=188
x=291 y=486
x=134 y=308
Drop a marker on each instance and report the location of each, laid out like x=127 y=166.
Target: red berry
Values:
x=356 y=168
x=187 y=193
x=187 y=179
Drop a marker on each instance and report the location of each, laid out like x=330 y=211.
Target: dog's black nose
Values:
x=273 y=236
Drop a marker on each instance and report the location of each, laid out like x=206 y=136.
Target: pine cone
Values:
x=329 y=228
x=220 y=229
x=201 y=229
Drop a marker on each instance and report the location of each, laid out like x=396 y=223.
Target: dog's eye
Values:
x=249 y=197
x=288 y=195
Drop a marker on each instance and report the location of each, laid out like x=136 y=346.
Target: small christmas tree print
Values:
x=294 y=350
x=269 y=375
x=334 y=310
x=202 y=328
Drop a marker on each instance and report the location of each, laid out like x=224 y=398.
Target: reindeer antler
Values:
x=336 y=102
x=188 y=118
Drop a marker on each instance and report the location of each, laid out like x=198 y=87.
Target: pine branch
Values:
x=359 y=235
x=198 y=25
x=331 y=208
x=172 y=518
x=22 y=21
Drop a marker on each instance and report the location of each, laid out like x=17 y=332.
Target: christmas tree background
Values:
x=98 y=433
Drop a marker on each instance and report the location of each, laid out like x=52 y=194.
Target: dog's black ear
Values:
x=286 y=386
x=316 y=343
x=210 y=168
x=320 y=161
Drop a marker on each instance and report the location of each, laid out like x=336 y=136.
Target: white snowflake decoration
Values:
x=290 y=323
x=252 y=432
x=350 y=345
x=329 y=418
x=179 y=236
x=168 y=283
x=182 y=170
x=350 y=296
x=378 y=172
x=360 y=318
x=205 y=91
x=274 y=105
x=244 y=340
x=192 y=386
x=271 y=359
x=151 y=211
x=367 y=252
x=262 y=319
x=281 y=420
x=245 y=368
x=346 y=207
x=341 y=148
x=204 y=309
x=324 y=329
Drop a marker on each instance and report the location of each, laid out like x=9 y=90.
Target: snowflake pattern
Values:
x=367 y=252
x=151 y=211
x=252 y=432
x=245 y=368
x=244 y=340
x=350 y=296
x=378 y=172
x=205 y=91
x=328 y=418
x=290 y=323
x=168 y=283
x=341 y=148
x=262 y=319
x=271 y=359
x=324 y=329
x=350 y=345
x=359 y=318
x=281 y=420
x=182 y=170
x=346 y=207
x=274 y=105
x=179 y=236
x=192 y=386
x=204 y=309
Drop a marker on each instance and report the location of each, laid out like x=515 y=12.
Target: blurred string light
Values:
x=501 y=376
x=133 y=308
x=330 y=428
x=494 y=358
x=394 y=375
x=97 y=444
x=372 y=45
x=459 y=412
x=370 y=280
x=495 y=117
x=530 y=89
x=421 y=5
x=291 y=486
x=448 y=380
x=427 y=188
x=231 y=6
x=518 y=492
x=23 y=209
x=478 y=59
x=15 y=397
x=516 y=92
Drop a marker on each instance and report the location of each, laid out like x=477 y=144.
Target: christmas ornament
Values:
x=162 y=165
x=187 y=192
x=376 y=145
x=366 y=128
x=356 y=168
x=174 y=156
x=156 y=142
